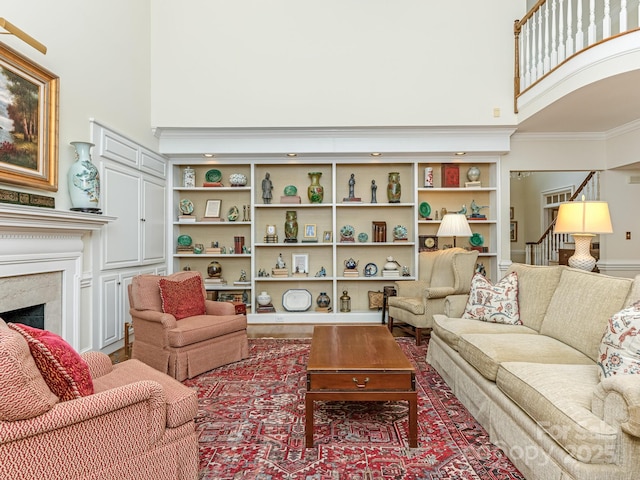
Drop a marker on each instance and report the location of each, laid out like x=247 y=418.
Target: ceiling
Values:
x=596 y=108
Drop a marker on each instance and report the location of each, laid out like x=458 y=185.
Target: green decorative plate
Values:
x=290 y=190
x=425 y=209
x=186 y=206
x=213 y=175
x=347 y=231
x=476 y=240
x=184 y=240
x=363 y=237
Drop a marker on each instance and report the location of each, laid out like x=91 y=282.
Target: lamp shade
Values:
x=454 y=225
x=583 y=217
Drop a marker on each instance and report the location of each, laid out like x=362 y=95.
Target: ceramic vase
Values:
x=291 y=226
x=84 y=180
x=214 y=269
x=189 y=178
x=323 y=300
x=393 y=187
x=473 y=174
x=315 y=191
x=264 y=299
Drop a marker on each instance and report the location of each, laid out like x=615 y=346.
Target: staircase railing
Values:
x=545 y=251
x=553 y=31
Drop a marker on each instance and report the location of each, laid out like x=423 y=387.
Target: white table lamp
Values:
x=584 y=220
x=454 y=225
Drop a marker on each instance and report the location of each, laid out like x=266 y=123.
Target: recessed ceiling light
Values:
x=208 y=155
x=292 y=154
x=376 y=154
x=461 y=153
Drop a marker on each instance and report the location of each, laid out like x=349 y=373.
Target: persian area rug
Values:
x=251 y=421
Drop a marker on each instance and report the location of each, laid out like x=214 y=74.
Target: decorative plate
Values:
x=370 y=270
x=184 y=240
x=399 y=232
x=296 y=300
x=425 y=209
x=186 y=206
x=363 y=237
x=347 y=231
x=476 y=240
x=290 y=190
x=213 y=175
x=233 y=214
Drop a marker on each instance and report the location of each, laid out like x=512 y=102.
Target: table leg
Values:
x=413 y=421
x=308 y=428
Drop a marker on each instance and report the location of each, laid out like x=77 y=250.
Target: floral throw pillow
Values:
x=620 y=347
x=62 y=368
x=493 y=303
x=182 y=298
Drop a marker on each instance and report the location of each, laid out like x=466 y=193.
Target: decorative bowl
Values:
x=476 y=240
x=399 y=232
x=347 y=231
x=363 y=237
x=290 y=190
x=213 y=175
x=184 y=240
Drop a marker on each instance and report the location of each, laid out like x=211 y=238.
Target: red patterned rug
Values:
x=251 y=426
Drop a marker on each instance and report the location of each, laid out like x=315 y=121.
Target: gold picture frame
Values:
x=327 y=236
x=29 y=134
x=310 y=231
x=513 y=231
x=212 y=210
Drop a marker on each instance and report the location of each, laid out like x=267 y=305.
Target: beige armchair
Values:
x=441 y=273
x=189 y=346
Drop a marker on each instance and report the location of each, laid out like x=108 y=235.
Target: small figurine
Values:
x=267 y=188
x=280 y=262
x=374 y=187
x=463 y=210
x=243 y=276
x=352 y=185
x=475 y=209
x=322 y=272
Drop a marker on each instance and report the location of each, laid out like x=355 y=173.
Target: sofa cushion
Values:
x=181 y=402
x=182 y=298
x=486 y=352
x=450 y=329
x=536 y=285
x=558 y=398
x=583 y=302
x=496 y=303
x=145 y=289
x=620 y=347
x=64 y=370
x=204 y=327
x=23 y=392
x=414 y=305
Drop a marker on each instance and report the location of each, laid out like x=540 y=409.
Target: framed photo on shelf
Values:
x=213 y=208
x=513 y=231
x=300 y=262
x=511 y=214
x=310 y=231
x=327 y=236
x=29 y=156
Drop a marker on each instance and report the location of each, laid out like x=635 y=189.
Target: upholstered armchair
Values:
x=65 y=415
x=440 y=273
x=178 y=331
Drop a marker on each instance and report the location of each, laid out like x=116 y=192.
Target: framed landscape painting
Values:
x=28 y=122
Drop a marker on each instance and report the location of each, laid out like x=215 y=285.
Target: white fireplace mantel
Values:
x=25 y=217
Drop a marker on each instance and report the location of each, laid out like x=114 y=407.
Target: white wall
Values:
x=290 y=63
x=100 y=51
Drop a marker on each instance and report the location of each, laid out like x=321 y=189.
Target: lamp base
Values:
x=582 y=258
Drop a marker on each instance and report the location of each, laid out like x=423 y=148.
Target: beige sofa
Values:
x=535 y=387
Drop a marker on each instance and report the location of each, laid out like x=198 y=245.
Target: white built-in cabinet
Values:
x=328 y=218
x=133 y=184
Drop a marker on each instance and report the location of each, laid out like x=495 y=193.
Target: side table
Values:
x=386 y=293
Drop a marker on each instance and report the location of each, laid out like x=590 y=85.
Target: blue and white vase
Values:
x=84 y=180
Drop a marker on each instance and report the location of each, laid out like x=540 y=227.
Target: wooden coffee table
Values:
x=358 y=363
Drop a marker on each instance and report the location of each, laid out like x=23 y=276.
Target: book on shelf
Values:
x=239 y=283
x=212 y=184
x=391 y=273
x=280 y=271
x=323 y=309
x=269 y=308
x=351 y=273
x=212 y=219
x=186 y=219
x=270 y=239
x=214 y=280
x=290 y=199
x=183 y=249
x=477 y=184
x=213 y=250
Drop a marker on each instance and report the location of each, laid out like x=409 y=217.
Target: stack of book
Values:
x=391 y=273
x=212 y=184
x=268 y=308
x=271 y=239
x=184 y=249
x=290 y=199
x=186 y=219
x=351 y=272
x=213 y=250
x=215 y=281
x=323 y=309
x=279 y=272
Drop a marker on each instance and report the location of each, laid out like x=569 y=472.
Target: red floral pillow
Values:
x=182 y=298
x=64 y=370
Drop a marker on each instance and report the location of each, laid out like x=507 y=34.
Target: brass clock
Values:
x=428 y=243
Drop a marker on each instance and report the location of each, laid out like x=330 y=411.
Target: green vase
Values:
x=291 y=226
x=393 y=187
x=315 y=191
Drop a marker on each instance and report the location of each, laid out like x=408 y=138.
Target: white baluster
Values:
x=545 y=62
x=569 y=48
x=539 y=67
x=606 y=21
x=561 y=37
x=534 y=71
x=591 y=30
x=623 y=16
x=579 y=32
x=525 y=69
x=554 y=49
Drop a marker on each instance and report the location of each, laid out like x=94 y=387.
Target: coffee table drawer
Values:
x=360 y=381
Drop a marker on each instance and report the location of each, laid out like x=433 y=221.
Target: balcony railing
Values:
x=554 y=31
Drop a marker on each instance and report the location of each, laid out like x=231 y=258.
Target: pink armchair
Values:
x=186 y=347
x=138 y=423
